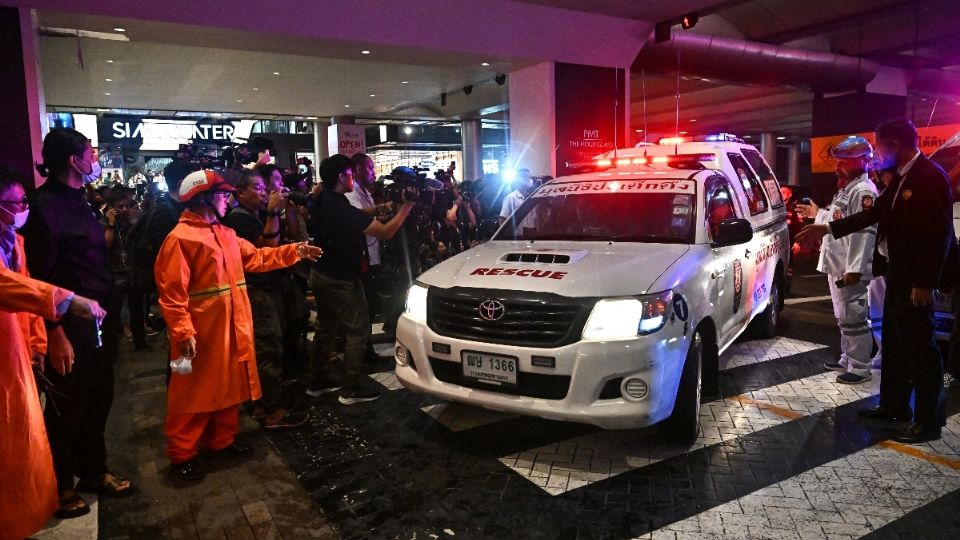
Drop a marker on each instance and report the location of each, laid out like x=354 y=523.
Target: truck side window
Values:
x=756 y=199
x=766 y=175
x=719 y=206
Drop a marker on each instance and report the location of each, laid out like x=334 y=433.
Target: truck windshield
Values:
x=660 y=211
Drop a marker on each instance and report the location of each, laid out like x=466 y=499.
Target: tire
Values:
x=683 y=425
x=765 y=326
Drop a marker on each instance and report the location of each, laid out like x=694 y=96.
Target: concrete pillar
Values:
x=793 y=161
x=566 y=113
x=320 y=142
x=768 y=147
x=471 y=137
x=23 y=112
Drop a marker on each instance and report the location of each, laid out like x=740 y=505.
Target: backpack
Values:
x=145 y=238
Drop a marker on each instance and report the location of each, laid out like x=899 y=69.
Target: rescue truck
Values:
x=608 y=296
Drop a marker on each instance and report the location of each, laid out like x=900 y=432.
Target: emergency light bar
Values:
x=672 y=140
x=724 y=137
x=677 y=161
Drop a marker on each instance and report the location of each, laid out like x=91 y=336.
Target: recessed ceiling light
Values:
x=485 y=64
x=683 y=133
x=109 y=80
x=276 y=72
x=408 y=130
x=103 y=110
x=373 y=95
x=364 y=52
x=109 y=61
x=255 y=89
x=347 y=106
x=119 y=29
x=639 y=131
x=311 y=118
x=405 y=82
x=693 y=120
x=106 y=93
x=781 y=138
x=239 y=101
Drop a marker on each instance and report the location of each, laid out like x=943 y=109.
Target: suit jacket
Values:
x=915 y=217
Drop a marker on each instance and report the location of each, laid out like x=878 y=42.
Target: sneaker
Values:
x=834 y=366
x=288 y=421
x=319 y=390
x=358 y=395
x=853 y=378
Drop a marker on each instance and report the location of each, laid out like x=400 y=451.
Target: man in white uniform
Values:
x=848 y=261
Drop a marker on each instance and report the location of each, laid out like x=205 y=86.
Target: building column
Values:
x=793 y=162
x=23 y=112
x=472 y=141
x=768 y=147
x=566 y=113
x=320 y=142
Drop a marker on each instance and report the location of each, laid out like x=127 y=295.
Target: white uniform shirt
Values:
x=511 y=202
x=361 y=198
x=852 y=254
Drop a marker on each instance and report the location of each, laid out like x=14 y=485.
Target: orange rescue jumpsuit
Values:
x=28 y=492
x=203 y=294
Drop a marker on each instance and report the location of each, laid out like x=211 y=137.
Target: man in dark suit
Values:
x=915 y=248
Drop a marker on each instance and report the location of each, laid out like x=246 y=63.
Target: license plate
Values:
x=490 y=368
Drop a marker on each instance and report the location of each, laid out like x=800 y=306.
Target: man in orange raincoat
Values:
x=202 y=295
x=28 y=492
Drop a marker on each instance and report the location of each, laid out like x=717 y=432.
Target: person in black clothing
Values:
x=335 y=279
x=916 y=252
x=66 y=246
x=267 y=293
x=116 y=221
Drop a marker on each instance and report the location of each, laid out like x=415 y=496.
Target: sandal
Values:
x=70 y=513
x=107 y=485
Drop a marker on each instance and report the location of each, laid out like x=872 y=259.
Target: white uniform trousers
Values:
x=850 y=309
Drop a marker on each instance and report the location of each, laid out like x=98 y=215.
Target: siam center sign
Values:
x=167 y=134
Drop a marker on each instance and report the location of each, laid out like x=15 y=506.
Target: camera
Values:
x=410 y=184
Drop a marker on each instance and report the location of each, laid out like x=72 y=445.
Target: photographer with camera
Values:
x=335 y=279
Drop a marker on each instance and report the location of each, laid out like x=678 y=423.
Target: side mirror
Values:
x=732 y=232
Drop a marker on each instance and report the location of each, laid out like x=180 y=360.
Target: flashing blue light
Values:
x=509 y=175
x=714 y=137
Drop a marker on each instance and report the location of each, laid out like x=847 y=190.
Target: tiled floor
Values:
x=782 y=454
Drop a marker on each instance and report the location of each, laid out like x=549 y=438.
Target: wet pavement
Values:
x=781 y=454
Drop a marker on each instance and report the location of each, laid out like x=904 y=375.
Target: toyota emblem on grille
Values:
x=492 y=310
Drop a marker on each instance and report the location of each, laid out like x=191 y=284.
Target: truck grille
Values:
x=536 y=385
x=528 y=319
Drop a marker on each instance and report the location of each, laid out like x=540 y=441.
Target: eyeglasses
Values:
x=220 y=193
x=24 y=202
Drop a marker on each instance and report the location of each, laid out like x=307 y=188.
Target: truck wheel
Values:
x=683 y=425
x=765 y=325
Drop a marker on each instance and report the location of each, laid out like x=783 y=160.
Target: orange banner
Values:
x=930 y=139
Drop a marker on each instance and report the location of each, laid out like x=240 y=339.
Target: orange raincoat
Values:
x=203 y=294
x=28 y=491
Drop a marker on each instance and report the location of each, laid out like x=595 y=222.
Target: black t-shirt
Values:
x=249 y=227
x=339 y=227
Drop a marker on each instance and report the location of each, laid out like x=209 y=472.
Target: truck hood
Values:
x=580 y=269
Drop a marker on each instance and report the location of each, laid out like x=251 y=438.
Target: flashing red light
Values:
x=623 y=161
x=639 y=161
x=604 y=163
x=660 y=159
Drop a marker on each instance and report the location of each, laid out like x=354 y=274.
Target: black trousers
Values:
x=77 y=408
x=136 y=306
x=341 y=310
x=911 y=358
x=953 y=354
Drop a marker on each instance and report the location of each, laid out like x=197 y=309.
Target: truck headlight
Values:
x=416 y=307
x=622 y=318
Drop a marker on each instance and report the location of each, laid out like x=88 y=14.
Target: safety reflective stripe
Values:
x=219 y=290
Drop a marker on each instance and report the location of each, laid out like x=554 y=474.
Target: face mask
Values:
x=19 y=219
x=94 y=173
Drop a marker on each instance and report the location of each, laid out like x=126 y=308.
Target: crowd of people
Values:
x=232 y=259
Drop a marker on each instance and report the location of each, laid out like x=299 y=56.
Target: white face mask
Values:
x=19 y=218
x=94 y=174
